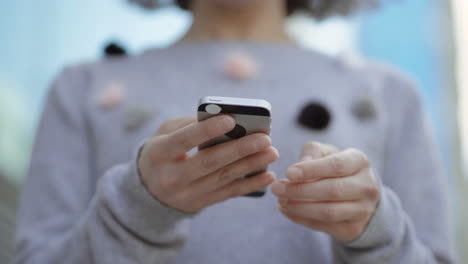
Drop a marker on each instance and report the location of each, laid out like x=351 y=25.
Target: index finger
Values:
x=340 y=164
x=175 y=124
x=316 y=150
x=186 y=138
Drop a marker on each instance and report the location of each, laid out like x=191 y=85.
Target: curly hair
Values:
x=318 y=9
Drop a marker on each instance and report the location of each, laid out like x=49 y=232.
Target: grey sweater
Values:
x=83 y=201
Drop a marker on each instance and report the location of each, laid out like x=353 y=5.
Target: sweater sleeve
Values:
x=410 y=224
x=70 y=215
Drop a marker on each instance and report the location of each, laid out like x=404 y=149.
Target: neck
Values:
x=261 y=21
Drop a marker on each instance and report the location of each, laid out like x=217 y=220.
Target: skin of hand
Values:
x=330 y=191
x=190 y=183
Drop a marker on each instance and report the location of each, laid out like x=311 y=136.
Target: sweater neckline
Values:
x=231 y=44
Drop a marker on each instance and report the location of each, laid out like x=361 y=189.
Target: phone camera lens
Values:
x=213 y=109
x=237 y=132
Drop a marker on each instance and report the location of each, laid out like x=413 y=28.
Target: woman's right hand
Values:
x=212 y=175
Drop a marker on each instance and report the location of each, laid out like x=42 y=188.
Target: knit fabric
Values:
x=83 y=201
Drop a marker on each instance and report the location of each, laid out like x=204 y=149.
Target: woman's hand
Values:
x=212 y=175
x=330 y=191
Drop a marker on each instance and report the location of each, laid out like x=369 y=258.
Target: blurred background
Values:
x=426 y=38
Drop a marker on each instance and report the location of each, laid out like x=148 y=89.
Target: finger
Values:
x=237 y=188
x=175 y=124
x=311 y=223
x=345 y=231
x=340 y=164
x=328 y=212
x=232 y=172
x=358 y=186
x=192 y=135
x=316 y=150
x=209 y=160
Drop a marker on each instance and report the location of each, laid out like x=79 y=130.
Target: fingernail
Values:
x=262 y=143
x=276 y=152
x=295 y=173
x=278 y=188
x=274 y=175
x=227 y=122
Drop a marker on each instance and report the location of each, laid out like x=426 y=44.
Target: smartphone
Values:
x=251 y=116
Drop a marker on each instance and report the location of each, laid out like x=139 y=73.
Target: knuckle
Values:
x=371 y=191
x=167 y=182
x=209 y=162
x=313 y=149
x=330 y=214
x=181 y=197
x=234 y=190
x=198 y=205
x=154 y=149
x=337 y=164
x=186 y=139
x=295 y=190
x=334 y=190
x=312 y=144
x=361 y=156
x=353 y=151
x=255 y=162
x=224 y=175
x=331 y=148
x=245 y=149
x=354 y=229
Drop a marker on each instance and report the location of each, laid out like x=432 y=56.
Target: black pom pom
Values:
x=114 y=49
x=315 y=116
x=364 y=109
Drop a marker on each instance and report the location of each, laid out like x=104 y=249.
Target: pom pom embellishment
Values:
x=240 y=67
x=136 y=117
x=114 y=50
x=364 y=109
x=315 y=116
x=146 y=3
x=112 y=96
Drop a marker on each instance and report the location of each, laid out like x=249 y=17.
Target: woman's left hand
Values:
x=330 y=191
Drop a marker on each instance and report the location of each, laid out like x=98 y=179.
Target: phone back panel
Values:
x=251 y=116
x=245 y=125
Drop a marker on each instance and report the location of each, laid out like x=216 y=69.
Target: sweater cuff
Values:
x=130 y=202
x=384 y=226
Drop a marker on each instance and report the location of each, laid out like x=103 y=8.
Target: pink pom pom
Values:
x=111 y=96
x=239 y=66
